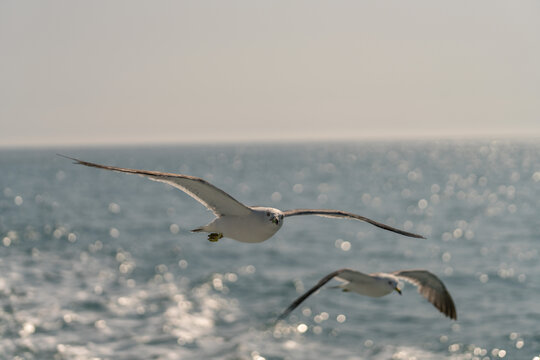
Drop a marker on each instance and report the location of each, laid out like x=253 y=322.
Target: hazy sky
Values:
x=83 y=72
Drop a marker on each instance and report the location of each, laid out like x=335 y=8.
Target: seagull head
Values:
x=392 y=284
x=272 y=215
x=275 y=217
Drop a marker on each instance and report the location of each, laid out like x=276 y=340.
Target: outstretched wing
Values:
x=432 y=288
x=304 y=296
x=207 y=194
x=347 y=215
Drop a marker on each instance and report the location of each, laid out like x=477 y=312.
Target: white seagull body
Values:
x=381 y=284
x=234 y=220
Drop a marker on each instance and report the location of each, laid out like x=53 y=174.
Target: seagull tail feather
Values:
x=199 y=229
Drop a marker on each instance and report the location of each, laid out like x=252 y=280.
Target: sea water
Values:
x=102 y=265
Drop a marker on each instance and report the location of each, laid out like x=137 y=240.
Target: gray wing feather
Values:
x=347 y=215
x=431 y=288
x=207 y=194
x=355 y=276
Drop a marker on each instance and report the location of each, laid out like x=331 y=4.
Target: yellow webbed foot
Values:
x=213 y=237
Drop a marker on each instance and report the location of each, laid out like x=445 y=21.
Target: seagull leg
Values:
x=213 y=237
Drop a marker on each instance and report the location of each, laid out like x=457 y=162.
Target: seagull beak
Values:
x=398 y=290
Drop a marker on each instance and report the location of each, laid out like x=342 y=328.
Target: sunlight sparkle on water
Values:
x=343 y=245
x=114 y=233
x=6 y=241
x=298 y=188
x=321 y=317
x=302 y=328
x=256 y=356
x=174 y=229
x=114 y=208
x=72 y=237
x=322 y=198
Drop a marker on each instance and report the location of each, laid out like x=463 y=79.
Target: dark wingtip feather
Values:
x=75 y=161
x=304 y=296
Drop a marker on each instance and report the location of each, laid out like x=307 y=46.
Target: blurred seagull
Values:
x=381 y=284
x=234 y=220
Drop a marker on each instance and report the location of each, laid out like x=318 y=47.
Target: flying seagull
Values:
x=234 y=220
x=381 y=284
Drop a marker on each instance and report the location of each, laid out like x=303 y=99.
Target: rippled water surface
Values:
x=101 y=265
